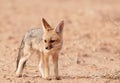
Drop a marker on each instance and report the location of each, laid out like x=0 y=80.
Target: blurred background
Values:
x=91 y=37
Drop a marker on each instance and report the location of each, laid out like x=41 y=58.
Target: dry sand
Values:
x=91 y=51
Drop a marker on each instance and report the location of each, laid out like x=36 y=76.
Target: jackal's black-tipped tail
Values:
x=20 y=53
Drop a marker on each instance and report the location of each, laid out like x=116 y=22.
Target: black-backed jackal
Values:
x=47 y=41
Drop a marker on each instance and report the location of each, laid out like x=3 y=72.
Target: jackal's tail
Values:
x=20 y=54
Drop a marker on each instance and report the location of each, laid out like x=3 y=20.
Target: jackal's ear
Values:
x=59 y=28
x=45 y=25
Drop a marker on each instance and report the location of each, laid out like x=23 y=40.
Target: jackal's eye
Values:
x=52 y=41
x=45 y=41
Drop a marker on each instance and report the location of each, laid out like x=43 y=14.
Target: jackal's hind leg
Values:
x=23 y=59
x=41 y=66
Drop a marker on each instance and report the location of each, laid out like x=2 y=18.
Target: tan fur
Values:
x=46 y=41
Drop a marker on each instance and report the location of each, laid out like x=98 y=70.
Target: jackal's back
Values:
x=33 y=35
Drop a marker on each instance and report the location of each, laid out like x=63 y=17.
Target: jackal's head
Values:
x=52 y=37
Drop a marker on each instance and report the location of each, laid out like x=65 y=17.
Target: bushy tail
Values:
x=20 y=54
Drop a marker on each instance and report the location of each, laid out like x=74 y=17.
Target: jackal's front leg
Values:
x=55 y=63
x=46 y=67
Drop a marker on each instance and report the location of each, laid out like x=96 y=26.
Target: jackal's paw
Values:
x=56 y=78
x=18 y=75
x=47 y=78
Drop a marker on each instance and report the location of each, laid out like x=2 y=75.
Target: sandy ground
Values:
x=91 y=51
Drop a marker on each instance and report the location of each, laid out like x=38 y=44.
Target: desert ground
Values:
x=91 y=50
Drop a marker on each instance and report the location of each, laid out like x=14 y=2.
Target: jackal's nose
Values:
x=48 y=47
